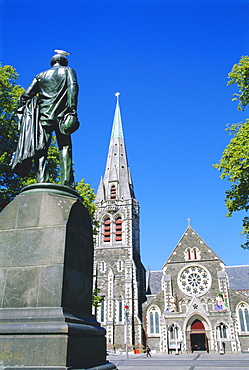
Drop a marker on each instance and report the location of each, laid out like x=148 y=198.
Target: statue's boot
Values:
x=41 y=165
x=67 y=177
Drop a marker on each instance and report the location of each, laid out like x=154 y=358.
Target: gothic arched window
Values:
x=118 y=229
x=243 y=313
x=154 y=321
x=222 y=330
x=107 y=230
x=173 y=332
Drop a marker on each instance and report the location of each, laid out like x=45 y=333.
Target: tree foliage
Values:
x=240 y=75
x=97 y=298
x=9 y=94
x=88 y=195
x=234 y=163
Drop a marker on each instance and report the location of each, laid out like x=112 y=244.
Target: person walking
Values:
x=148 y=350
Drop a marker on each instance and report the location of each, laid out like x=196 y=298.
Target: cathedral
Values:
x=195 y=303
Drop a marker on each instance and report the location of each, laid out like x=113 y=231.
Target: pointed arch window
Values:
x=222 y=331
x=243 y=313
x=154 y=321
x=107 y=230
x=173 y=332
x=113 y=192
x=118 y=229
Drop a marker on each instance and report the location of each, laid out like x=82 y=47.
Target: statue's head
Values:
x=59 y=58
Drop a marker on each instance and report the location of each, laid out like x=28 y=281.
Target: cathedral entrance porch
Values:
x=198 y=338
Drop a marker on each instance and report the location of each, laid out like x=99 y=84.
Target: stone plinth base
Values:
x=46 y=264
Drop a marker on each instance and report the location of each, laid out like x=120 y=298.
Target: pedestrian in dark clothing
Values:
x=148 y=351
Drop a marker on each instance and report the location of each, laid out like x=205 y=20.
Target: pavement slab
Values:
x=193 y=361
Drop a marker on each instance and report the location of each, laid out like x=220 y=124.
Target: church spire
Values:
x=117 y=173
x=117 y=130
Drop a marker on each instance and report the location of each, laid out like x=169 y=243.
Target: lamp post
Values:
x=175 y=329
x=126 y=307
x=218 y=326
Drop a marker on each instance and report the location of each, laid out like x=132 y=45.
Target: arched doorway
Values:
x=198 y=338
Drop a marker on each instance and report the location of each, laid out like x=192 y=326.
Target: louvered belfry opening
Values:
x=113 y=192
x=107 y=230
x=118 y=224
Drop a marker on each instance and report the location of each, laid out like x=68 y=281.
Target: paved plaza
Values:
x=193 y=361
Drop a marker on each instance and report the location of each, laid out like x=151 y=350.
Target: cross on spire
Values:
x=188 y=219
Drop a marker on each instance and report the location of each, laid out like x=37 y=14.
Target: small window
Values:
x=120 y=309
x=192 y=254
x=102 y=266
x=120 y=265
x=102 y=311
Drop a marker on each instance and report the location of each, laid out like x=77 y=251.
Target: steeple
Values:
x=117 y=183
x=121 y=275
x=117 y=130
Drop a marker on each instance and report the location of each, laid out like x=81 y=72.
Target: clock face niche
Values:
x=194 y=280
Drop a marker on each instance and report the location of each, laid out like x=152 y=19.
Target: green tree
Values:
x=234 y=163
x=9 y=94
x=240 y=75
x=97 y=299
x=88 y=196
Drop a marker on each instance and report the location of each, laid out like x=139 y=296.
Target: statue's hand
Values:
x=73 y=112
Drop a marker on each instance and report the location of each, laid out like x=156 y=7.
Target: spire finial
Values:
x=117 y=131
x=188 y=219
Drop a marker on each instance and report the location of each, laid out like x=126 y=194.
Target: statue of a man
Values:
x=49 y=104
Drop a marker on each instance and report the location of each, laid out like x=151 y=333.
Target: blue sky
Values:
x=169 y=60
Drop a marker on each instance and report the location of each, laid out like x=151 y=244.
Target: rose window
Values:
x=194 y=280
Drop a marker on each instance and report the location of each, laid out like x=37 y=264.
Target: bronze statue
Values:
x=49 y=104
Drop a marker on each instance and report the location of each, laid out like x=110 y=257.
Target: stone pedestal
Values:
x=46 y=266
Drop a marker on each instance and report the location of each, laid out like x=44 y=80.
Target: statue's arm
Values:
x=32 y=90
x=73 y=89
